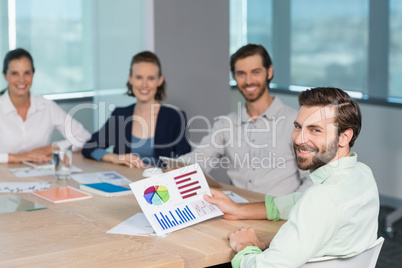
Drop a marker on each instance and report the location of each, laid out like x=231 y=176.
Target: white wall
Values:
x=380 y=147
x=192 y=41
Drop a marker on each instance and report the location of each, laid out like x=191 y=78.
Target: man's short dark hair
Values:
x=348 y=114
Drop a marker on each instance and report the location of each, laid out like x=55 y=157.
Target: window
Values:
x=58 y=34
x=353 y=45
x=329 y=43
x=81 y=47
x=395 y=50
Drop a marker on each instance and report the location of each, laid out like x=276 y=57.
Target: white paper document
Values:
x=96 y=177
x=26 y=172
x=235 y=197
x=23 y=187
x=135 y=225
x=174 y=200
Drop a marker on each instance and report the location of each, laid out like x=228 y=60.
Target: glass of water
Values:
x=62 y=158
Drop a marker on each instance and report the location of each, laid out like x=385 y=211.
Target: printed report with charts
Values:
x=174 y=200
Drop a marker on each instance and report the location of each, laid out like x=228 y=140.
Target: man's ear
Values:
x=345 y=137
x=270 y=72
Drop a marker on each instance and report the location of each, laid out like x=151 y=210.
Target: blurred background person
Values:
x=27 y=121
x=141 y=132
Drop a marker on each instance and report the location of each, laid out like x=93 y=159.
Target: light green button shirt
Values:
x=337 y=216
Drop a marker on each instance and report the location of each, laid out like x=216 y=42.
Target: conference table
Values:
x=74 y=234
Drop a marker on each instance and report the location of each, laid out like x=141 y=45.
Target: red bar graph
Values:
x=187 y=185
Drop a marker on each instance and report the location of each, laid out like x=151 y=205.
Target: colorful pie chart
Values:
x=156 y=195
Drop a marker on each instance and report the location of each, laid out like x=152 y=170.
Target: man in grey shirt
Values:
x=254 y=145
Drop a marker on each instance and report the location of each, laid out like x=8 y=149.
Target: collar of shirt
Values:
x=8 y=106
x=270 y=113
x=321 y=174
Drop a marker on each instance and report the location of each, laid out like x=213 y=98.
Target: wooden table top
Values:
x=74 y=234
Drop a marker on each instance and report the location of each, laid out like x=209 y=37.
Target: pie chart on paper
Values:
x=156 y=195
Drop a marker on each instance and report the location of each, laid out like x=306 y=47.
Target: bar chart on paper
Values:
x=173 y=218
x=187 y=184
x=174 y=200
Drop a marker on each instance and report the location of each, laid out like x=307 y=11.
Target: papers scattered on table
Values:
x=135 y=225
x=97 y=177
x=47 y=165
x=11 y=203
x=23 y=187
x=235 y=197
x=174 y=200
x=26 y=172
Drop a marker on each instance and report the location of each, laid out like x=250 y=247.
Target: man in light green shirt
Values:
x=338 y=215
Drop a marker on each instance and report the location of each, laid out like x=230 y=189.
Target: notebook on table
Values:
x=63 y=194
x=105 y=189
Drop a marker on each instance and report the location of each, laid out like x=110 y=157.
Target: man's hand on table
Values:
x=243 y=237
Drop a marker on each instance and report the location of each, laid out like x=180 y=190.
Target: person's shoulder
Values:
x=40 y=99
x=286 y=109
x=124 y=110
x=361 y=165
x=171 y=110
x=44 y=103
x=3 y=95
x=227 y=120
x=320 y=195
x=365 y=170
x=232 y=117
x=285 y=113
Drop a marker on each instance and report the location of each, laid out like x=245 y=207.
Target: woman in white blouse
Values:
x=27 y=121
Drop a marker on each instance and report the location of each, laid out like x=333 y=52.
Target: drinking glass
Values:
x=62 y=158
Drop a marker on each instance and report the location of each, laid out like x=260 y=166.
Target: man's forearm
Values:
x=255 y=211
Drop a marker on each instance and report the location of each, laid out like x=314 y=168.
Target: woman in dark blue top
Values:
x=142 y=132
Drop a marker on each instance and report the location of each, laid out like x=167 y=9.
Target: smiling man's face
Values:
x=315 y=137
x=252 y=77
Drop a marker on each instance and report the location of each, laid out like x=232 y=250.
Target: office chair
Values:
x=390 y=219
x=366 y=259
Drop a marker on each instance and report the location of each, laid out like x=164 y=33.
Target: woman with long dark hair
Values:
x=27 y=121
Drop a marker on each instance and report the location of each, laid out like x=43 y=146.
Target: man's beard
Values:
x=319 y=157
x=261 y=91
